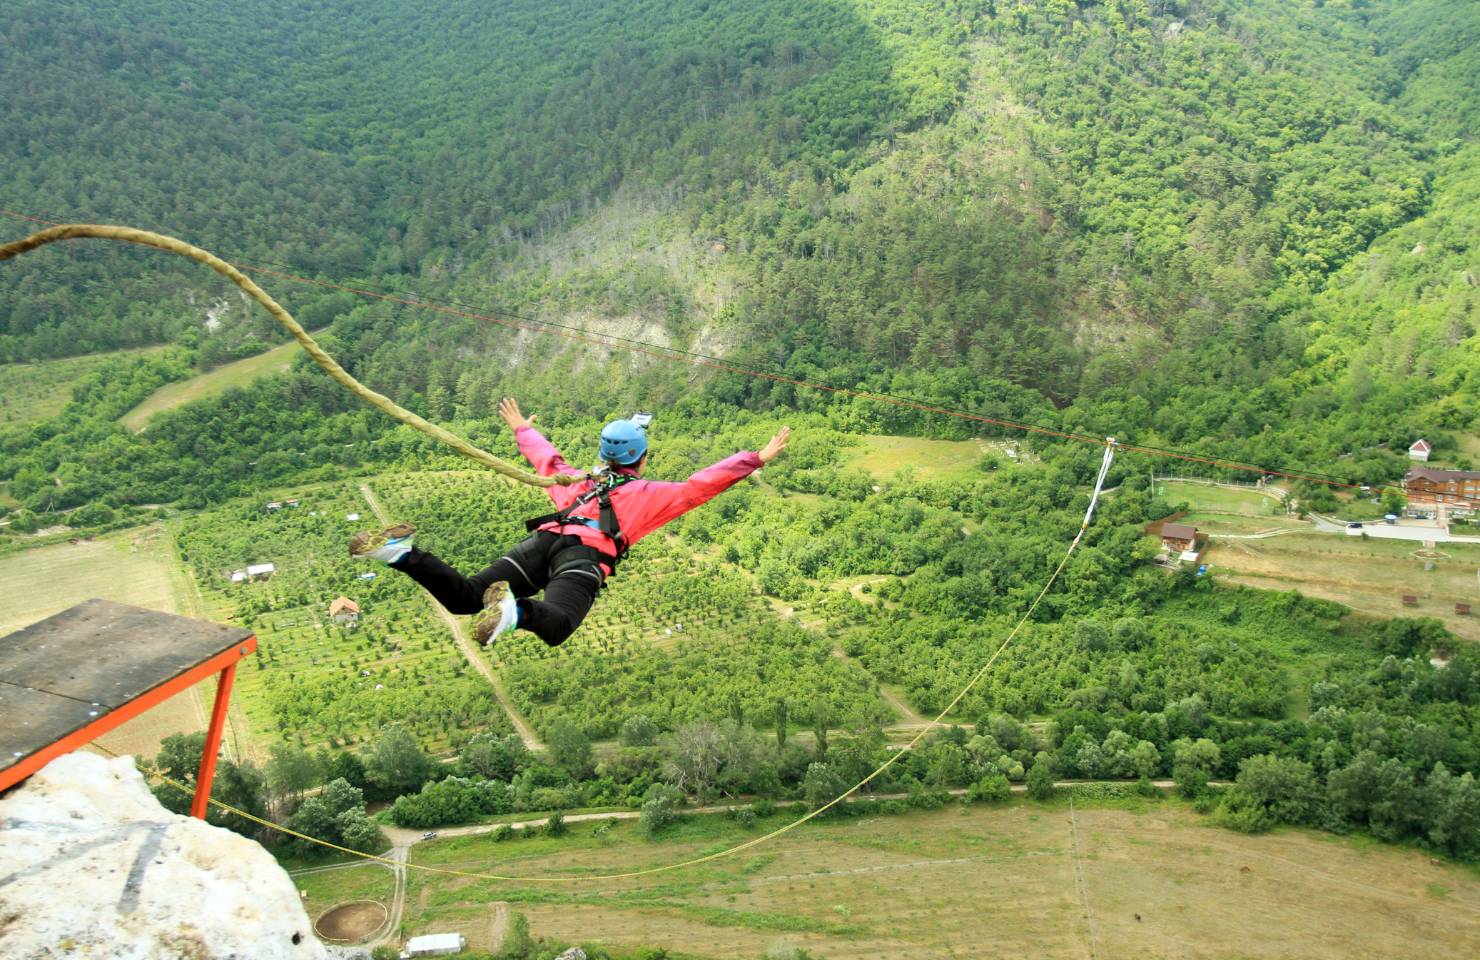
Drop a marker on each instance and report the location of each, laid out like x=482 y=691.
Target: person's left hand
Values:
x=508 y=408
x=775 y=446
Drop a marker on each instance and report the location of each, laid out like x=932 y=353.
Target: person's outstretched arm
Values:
x=540 y=453
x=662 y=502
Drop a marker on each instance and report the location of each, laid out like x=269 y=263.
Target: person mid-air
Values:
x=571 y=552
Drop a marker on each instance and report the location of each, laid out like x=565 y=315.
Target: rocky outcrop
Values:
x=92 y=866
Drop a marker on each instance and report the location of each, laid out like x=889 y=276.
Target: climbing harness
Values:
x=606 y=521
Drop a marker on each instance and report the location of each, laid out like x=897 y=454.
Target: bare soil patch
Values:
x=351 y=922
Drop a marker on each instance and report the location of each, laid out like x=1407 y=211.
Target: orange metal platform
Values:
x=74 y=676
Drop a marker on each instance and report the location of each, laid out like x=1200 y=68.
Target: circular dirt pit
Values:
x=351 y=922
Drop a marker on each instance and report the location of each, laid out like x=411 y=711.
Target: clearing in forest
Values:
x=210 y=384
x=32 y=392
x=1369 y=575
x=1018 y=880
x=883 y=457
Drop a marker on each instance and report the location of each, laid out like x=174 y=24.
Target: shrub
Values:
x=1040 y=779
x=660 y=809
x=639 y=731
x=1243 y=813
x=993 y=788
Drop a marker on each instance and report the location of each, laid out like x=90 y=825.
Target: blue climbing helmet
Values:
x=623 y=442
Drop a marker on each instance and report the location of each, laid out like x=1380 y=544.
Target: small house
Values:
x=435 y=945
x=291 y=503
x=1420 y=450
x=351 y=517
x=1179 y=538
x=344 y=611
x=238 y=576
x=274 y=505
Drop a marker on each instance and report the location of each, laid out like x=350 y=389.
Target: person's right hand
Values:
x=508 y=408
x=775 y=446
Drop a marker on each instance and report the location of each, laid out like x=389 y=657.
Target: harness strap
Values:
x=607 y=515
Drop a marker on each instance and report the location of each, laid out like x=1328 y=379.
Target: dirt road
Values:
x=466 y=646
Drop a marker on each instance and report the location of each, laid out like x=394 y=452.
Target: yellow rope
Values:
x=756 y=841
x=71 y=231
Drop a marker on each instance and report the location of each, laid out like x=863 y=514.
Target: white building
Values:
x=1420 y=450
x=253 y=572
x=435 y=945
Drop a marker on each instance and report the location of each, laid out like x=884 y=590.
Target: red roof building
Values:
x=1458 y=491
x=344 y=610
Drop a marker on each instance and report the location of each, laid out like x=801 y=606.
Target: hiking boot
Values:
x=500 y=613
x=387 y=546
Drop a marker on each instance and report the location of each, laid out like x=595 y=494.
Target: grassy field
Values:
x=130 y=567
x=1021 y=880
x=133 y=566
x=31 y=392
x=1204 y=498
x=327 y=888
x=927 y=459
x=210 y=384
x=1239 y=525
x=1370 y=576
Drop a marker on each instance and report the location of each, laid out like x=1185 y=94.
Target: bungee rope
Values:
x=70 y=231
x=1110 y=448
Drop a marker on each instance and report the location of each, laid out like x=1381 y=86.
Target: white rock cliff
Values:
x=91 y=866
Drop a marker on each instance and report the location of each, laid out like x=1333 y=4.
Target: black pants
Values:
x=564 y=567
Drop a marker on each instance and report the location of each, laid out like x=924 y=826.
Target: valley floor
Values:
x=1145 y=879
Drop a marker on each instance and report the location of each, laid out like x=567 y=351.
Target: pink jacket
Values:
x=642 y=506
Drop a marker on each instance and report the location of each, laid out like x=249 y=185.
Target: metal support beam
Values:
x=213 y=743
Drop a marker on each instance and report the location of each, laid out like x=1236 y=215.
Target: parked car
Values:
x=1354 y=526
x=429 y=835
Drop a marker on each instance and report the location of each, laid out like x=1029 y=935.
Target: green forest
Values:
x=1240 y=230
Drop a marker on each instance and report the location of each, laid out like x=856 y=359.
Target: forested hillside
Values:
x=1202 y=223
